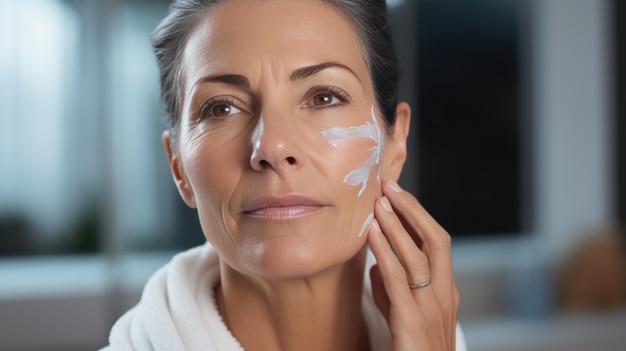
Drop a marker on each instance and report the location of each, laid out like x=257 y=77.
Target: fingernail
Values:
x=376 y=226
x=385 y=202
x=394 y=186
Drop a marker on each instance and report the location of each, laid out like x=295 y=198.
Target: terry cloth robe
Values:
x=178 y=311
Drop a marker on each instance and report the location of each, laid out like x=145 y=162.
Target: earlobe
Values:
x=178 y=171
x=396 y=146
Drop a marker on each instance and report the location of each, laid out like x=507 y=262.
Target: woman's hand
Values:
x=421 y=316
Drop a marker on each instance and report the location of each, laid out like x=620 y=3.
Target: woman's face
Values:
x=281 y=144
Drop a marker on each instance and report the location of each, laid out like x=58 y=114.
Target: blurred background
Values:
x=518 y=148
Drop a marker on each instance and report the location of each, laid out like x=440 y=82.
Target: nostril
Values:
x=264 y=163
x=291 y=160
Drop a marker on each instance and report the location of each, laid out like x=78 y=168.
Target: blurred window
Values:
x=471 y=116
x=81 y=160
x=39 y=196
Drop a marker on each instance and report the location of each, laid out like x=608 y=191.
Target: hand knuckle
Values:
x=444 y=240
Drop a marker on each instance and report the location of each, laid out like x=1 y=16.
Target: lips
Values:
x=284 y=207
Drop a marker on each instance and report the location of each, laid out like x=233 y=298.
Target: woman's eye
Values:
x=325 y=99
x=220 y=110
x=327 y=96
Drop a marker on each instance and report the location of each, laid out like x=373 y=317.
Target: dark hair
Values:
x=369 y=18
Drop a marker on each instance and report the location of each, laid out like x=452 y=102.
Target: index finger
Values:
x=435 y=240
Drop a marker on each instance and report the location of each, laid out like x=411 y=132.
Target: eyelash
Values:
x=339 y=93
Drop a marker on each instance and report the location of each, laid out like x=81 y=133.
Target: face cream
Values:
x=341 y=137
x=257 y=133
x=367 y=222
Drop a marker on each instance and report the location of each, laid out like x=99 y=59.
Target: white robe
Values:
x=177 y=311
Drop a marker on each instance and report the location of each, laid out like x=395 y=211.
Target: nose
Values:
x=275 y=146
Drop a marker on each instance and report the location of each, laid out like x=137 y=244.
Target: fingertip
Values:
x=393 y=186
x=376 y=225
x=384 y=202
x=374 y=236
x=392 y=190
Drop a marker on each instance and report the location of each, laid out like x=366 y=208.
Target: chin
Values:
x=293 y=257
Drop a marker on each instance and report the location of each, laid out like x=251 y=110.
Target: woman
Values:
x=286 y=136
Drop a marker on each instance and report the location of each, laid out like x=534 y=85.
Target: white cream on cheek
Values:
x=366 y=223
x=257 y=133
x=341 y=137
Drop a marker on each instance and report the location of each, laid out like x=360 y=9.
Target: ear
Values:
x=178 y=171
x=395 y=150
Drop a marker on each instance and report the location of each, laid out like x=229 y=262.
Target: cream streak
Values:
x=367 y=222
x=341 y=137
x=257 y=134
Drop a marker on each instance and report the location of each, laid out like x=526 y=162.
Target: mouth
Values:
x=281 y=208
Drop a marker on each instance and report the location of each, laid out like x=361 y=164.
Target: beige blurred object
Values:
x=595 y=276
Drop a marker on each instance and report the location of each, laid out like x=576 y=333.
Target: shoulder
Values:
x=177 y=308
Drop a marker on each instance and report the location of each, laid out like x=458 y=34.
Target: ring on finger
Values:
x=421 y=285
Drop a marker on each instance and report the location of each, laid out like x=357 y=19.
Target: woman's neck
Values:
x=322 y=312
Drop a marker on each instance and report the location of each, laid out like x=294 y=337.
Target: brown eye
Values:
x=325 y=96
x=323 y=99
x=218 y=109
x=221 y=110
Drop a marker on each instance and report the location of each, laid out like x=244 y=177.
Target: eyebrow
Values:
x=299 y=74
x=230 y=79
x=304 y=72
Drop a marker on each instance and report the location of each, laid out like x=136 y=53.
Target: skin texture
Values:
x=251 y=143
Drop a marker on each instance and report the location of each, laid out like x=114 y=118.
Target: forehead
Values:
x=248 y=37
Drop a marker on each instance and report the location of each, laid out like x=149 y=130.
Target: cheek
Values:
x=362 y=147
x=365 y=142
x=213 y=157
x=213 y=173
x=354 y=164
